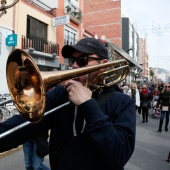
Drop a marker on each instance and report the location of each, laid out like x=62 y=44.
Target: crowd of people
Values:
x=154 y=96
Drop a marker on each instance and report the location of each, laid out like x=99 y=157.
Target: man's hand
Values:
x=78 y=93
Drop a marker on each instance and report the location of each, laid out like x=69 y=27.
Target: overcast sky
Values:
x=151 y=19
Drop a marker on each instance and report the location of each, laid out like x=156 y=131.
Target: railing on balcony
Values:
x=39 y=44
x=73 y=10
x=68 y=40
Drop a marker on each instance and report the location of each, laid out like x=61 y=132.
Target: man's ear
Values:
x=102 y=62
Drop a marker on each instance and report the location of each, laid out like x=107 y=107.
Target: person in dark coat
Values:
x=95 y=131
x=164 y=103
x=168 y=160
x=34 y=152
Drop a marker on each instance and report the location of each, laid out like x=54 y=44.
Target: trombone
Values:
x=28 y=86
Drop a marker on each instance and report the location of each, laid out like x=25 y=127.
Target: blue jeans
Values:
x=165 y=113
x=32 y=160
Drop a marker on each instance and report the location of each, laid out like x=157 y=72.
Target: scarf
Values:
x=144 y=91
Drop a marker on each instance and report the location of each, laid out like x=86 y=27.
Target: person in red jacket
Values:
x=145 y=98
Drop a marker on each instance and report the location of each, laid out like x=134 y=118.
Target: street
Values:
x=152 y=148
x=150 y=153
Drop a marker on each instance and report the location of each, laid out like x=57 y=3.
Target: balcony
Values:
x=39 y=44
x=74 y=12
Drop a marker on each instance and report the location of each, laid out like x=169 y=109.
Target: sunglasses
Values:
x=82 y=60
x=167 y=86
x=143 y=88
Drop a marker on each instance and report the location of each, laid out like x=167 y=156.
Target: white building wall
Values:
x=5 y=50
x=6 y=28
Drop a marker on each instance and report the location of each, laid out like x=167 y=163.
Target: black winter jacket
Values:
x=164 y=99
x=107 y=142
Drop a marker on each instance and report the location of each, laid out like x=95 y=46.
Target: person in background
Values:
x=134 y=93
x=96 y=131
x=164 y=104
x=160 y=86
x=139 y=109
x=145 y=98
x=126 y=90
x=150 y=87
x=155 y=96
x=168 y=160
x=34 y=152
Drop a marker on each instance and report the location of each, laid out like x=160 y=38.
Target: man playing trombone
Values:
x=95 y=131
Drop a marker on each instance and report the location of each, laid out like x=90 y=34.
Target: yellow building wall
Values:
x=22 y=10
x=6 y=20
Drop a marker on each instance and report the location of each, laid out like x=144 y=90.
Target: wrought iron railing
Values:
x=68 y=40
x=39 y=44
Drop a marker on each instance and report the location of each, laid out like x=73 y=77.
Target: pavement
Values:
x=152 y=147
x=4 y=154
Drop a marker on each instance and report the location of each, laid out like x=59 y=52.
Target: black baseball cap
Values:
x=88 y=46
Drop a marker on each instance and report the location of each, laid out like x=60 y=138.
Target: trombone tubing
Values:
x=27 y=122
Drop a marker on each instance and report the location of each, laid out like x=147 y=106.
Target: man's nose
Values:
x=75 y=65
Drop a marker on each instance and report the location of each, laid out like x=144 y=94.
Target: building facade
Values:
x=6 y=29
x=70 y=33
x=144 y=59
x=105 y=21
x=34 y=24
x=103 y=18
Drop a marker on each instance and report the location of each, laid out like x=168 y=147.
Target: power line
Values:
x=160 y=57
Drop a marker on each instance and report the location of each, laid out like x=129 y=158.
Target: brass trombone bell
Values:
x=28 y=86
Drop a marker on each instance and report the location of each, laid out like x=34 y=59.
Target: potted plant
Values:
x=68 y=7
x=79 y=15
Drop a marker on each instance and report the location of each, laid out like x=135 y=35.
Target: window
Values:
x=36 y=28
x=70 y=37
x=36 y=33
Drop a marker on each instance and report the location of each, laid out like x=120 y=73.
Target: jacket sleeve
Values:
x=33 y=130
x=112 y=128
x=159 y=100
x=19 y=135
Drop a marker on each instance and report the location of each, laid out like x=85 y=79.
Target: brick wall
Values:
x=103 y=17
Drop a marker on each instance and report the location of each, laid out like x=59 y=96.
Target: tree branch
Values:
x=3 y=8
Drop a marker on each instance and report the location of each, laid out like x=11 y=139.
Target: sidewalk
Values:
x=4 y=154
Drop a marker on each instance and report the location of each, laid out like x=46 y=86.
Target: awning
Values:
x=132 y=62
